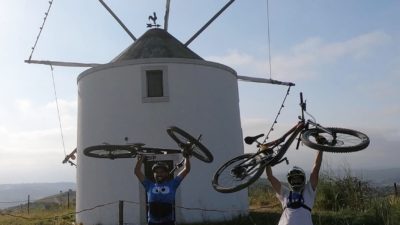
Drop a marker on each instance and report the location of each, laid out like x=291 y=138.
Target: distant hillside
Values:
x=383 y=177
x=379 y=177
x=63 y=200
x=17 y=194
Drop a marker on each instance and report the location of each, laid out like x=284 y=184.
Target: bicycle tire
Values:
x=198 y=149
x=110 y=151
x=348 y=140
x=219 y=179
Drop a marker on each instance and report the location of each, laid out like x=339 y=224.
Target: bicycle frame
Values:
x=267 y=148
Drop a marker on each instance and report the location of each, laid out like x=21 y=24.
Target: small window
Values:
x=155 y=84
x=154 y=80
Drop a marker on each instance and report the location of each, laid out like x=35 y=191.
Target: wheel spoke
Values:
x=238 y=173
x=346 y=140
x=189 y=144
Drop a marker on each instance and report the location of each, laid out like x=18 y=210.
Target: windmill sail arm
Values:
x=209 y=22
x=263 y=80
x=118 y=20
x=166 y=17
x=67 y=64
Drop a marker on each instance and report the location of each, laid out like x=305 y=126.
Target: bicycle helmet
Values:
x=160 y=165
x=296 y=179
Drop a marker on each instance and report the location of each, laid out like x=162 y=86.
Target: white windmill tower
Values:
x=155 y=83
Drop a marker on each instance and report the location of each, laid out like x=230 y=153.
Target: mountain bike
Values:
x=188 y=145
x=239 y=172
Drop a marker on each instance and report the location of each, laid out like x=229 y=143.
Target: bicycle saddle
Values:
x=250 y=139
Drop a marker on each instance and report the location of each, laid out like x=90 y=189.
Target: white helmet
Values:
x=296 y=178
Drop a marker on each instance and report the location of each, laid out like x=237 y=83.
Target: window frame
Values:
x=145 y=97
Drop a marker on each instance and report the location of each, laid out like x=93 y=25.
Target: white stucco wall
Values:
x=203 y=99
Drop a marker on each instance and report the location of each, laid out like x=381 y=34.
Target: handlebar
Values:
x=303 y=105
x=301 y=98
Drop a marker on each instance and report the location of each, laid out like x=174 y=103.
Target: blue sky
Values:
x=343 y=55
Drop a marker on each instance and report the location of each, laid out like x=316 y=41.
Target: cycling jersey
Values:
x=161 y=200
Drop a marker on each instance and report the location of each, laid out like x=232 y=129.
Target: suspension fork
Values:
x=319 y=127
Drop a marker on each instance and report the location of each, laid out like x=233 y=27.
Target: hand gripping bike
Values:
x=238 y=173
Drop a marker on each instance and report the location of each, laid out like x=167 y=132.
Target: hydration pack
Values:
x=295 y=201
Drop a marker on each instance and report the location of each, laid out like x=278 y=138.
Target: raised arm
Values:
x=138 y=169
x=186 y=167
x=276 y=184
x=314 y=176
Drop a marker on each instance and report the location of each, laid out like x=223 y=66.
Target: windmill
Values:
x=120 y=99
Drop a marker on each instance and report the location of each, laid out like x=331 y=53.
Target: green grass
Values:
x=56 y=216
x=340 y=201
x=378 y=214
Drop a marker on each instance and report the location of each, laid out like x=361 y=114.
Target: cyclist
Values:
x=298 y=200
x=161 y=193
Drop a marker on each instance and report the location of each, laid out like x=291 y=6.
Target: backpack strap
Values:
x=290 y=203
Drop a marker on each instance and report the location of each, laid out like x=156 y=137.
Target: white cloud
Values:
x=303 y=60
x=27 y=115
x=244 y=63
x=31 y=139
x=23 y=105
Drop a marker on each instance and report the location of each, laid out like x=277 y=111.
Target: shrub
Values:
x=348 y=192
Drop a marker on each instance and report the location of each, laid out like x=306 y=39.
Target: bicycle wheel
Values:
x=347 y=140
x=184 y=140
x=238 y=173
x=110 y=151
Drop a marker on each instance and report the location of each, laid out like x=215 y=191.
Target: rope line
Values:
x=269 y=42
x=95 y=207
x=15 y=216
x=46 y=14
x=22 y=201
x=58 y=110
x=195 y=208
x=56 y=216
x=277 y=115
x=115 y=202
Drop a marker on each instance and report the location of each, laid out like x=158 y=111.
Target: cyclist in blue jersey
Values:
x=161 y=193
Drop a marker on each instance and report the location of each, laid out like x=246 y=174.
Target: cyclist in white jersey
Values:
x=297 y=200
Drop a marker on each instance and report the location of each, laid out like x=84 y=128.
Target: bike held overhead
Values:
x=188 y=146
x=241 y=171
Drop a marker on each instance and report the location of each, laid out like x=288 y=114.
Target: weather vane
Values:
x=154 y=19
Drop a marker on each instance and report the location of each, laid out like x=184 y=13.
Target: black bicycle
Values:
x=238 y=173
x=187 y=145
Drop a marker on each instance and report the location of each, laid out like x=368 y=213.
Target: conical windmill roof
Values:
x=156 y=43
